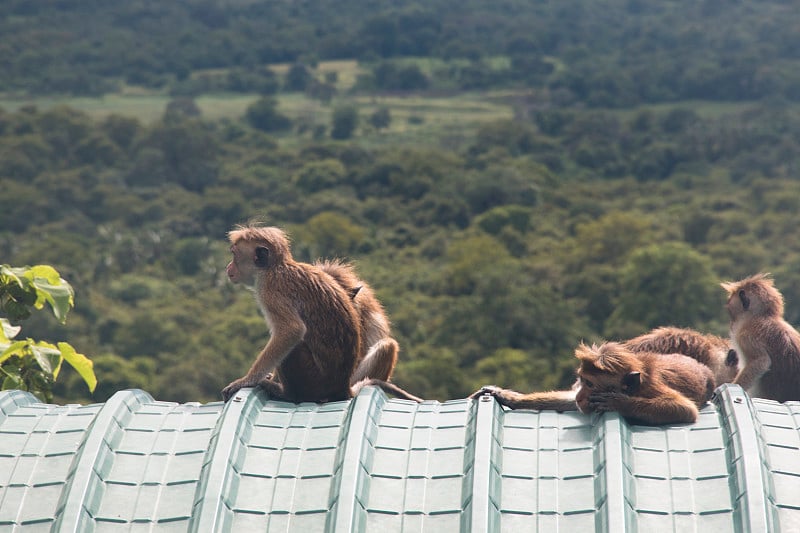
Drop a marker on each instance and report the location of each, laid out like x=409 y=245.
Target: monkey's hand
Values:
x=607 y=401
x=506 y=397
x=486 y=390
x=234 y=386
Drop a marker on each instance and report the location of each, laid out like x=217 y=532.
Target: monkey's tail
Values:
x=387 y=387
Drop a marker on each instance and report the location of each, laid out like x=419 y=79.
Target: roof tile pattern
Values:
x=375 y=464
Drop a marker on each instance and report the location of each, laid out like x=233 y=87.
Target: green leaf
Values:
x=12 y=381
x=82 y=364
x=47 y=273
x=56 y=291
x=15 y=348
x=8 y=274
x=48 y=356
x=15 y=310
x=7 y=331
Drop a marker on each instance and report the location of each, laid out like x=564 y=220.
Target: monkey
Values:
x=315 y=329
x=645 y=387
x=769 y=346
x=711 y=350
x=649 y=387
x=379 y=351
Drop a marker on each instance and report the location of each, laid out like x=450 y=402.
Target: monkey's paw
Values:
x=606 y=401
x=486 y=390
x=234 y=387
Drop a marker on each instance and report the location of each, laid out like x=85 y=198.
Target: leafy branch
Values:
x=29 y=364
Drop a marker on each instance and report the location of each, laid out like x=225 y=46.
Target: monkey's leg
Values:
x=378 y=363
x=274 y=389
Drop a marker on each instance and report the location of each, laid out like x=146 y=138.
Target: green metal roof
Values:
x=375 y=464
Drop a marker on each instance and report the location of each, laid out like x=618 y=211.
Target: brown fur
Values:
x=315 y=327
x=714 y=352
x=646 y=387
x=649 y=387
x=378 y=355
x=768 y=345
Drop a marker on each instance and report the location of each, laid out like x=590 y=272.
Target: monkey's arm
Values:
x=755 y=341
x=284 y=338
x=669 y=407
x=752 y=372
x=758 y=362
x=554 y=400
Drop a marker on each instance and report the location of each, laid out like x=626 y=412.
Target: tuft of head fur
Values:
x=608 y=358
x=760 y=289
x=275 y=239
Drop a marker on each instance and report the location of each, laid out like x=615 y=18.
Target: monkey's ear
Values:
x=732 y=359
x=261 y=257
x=745 y=300
x=354 y=292
x=631 y=382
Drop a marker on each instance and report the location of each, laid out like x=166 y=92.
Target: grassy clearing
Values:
x=702 y=108
x=415 y=119
x=347 y=71
x=146 y=107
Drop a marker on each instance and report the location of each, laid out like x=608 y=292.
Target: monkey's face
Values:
x=591 y=384
x=738 y=304
x=753 y=296
x=241 y=269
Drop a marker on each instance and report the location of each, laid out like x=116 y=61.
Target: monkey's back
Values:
x=319 y=368
x=782 y=381
x=709 y=350
x=684 y=374
x=374 y=324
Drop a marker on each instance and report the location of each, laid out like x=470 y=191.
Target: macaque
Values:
x=768 y=345
x=646 y=387
x=315 y=327
x=714 y=352
x=378 y=355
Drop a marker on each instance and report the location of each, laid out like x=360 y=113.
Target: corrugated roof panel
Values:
x=778 y=433
x=38 y=447
x=375 y=464
x=547 y=470
x=272 y=466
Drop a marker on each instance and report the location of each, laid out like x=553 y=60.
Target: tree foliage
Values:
x=344 y=122
x=28 y=364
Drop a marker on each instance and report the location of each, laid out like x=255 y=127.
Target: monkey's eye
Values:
x=588 y=383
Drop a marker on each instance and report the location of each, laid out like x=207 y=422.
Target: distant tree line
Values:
x=607 y=53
